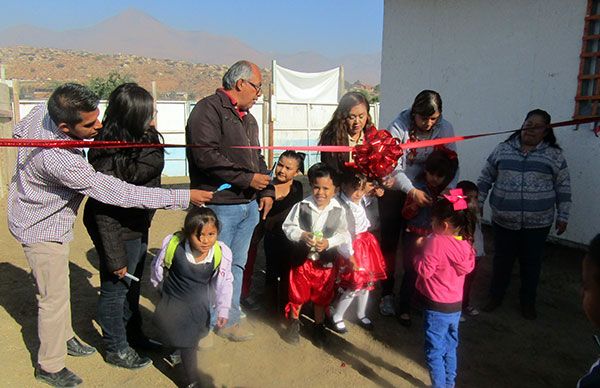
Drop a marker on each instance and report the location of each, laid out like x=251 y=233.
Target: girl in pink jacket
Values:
x=446 y=258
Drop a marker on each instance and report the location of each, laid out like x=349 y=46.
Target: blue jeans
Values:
x=441 y=341
x=237 y=223
x=119 y=299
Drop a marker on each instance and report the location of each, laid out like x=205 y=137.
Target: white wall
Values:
x=492 y=62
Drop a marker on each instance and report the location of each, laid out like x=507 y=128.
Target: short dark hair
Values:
x=355 y=180
x=68 y=100
x=195 y=220
x=440 y=163
x=467 y=186
x=322 y=170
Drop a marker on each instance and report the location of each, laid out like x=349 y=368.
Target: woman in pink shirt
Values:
x=447 y=256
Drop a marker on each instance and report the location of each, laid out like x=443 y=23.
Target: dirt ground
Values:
x=496 y=350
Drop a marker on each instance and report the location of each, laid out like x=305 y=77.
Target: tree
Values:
x=104 y=86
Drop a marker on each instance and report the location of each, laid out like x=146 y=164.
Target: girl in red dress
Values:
x=366 y=266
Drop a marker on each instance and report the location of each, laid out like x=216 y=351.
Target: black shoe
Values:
x=339 y=326
x=366 y=324
x=62 y=378
x=320 y=335
x=492 y=305
x=528 y=312
x=292 y=333
x=144 y=343
x=128 y=359
x=78 y=349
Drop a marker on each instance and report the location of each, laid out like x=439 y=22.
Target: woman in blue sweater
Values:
x=529 y=179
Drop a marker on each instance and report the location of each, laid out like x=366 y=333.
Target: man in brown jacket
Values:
x=218 y=122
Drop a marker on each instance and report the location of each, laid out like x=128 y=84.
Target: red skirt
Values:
x=370 y=262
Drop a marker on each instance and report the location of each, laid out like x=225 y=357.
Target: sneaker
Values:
x=366 y=323
x=320 y=335
x=62 y=378
x=386 y=306
x=77 y=348
x=173 y=359
x=235 y=333
x=292 y=333
x=471 y=311
x=242 y=314
x=128 y=359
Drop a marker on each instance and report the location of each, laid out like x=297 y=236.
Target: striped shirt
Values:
x=50 y=183
x=527 y=187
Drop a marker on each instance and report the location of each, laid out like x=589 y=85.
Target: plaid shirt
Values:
x=50 y=183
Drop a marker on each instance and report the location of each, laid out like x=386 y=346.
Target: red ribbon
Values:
x=376 y=158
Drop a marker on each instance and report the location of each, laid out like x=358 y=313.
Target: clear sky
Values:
x=331 y=27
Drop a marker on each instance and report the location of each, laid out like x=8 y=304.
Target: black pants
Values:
x=189 y=360
x=407 y=288
x=528 y=246
x=392 y=225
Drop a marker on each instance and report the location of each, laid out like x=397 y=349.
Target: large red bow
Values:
x=457 y=199
x=378 y=155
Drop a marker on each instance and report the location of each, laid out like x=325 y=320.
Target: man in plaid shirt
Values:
x=46 y=190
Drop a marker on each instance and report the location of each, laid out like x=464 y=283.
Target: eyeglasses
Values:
x=258 y=88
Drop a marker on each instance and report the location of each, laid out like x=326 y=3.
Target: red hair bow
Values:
x=449 y=153
x=457 y=199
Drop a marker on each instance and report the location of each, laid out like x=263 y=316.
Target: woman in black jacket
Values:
x=121 y=235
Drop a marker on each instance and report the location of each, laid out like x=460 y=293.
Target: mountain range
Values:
x=135 y=32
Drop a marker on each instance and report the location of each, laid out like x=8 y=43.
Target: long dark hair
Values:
x=127 y=118
x=464 y=220
x=335 y=132
x=549 y=137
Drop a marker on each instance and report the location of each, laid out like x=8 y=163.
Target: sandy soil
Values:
x=497 y=350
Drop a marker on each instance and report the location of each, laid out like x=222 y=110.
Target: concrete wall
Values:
x=492 y=62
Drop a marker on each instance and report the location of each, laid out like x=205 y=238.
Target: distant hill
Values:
x=137 y=33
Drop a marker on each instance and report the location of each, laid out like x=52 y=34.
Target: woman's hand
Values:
x=420 y=197
x=388 y=182
x=561 y=226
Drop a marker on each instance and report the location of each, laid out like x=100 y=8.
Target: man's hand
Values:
x=308 y=238
x=265 y=204
x=221 y=322
x=561 y=226
x=260 y=181
x=420 y=197
x=200 y=197
x=120 y=272
x=322 y=245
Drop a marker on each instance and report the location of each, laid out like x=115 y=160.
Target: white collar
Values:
x=190 y=256
x=313 y=205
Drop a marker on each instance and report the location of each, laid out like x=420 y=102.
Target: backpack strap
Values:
x=171 y=248
x=218 y=254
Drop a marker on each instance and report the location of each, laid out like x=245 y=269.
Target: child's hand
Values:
x=322 y=245
x=221 y=322
x=420 y=242
x=378 y=191
x=308 y=238
x=352 y=261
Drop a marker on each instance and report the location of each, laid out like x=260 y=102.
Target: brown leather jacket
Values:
x=215 y=124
